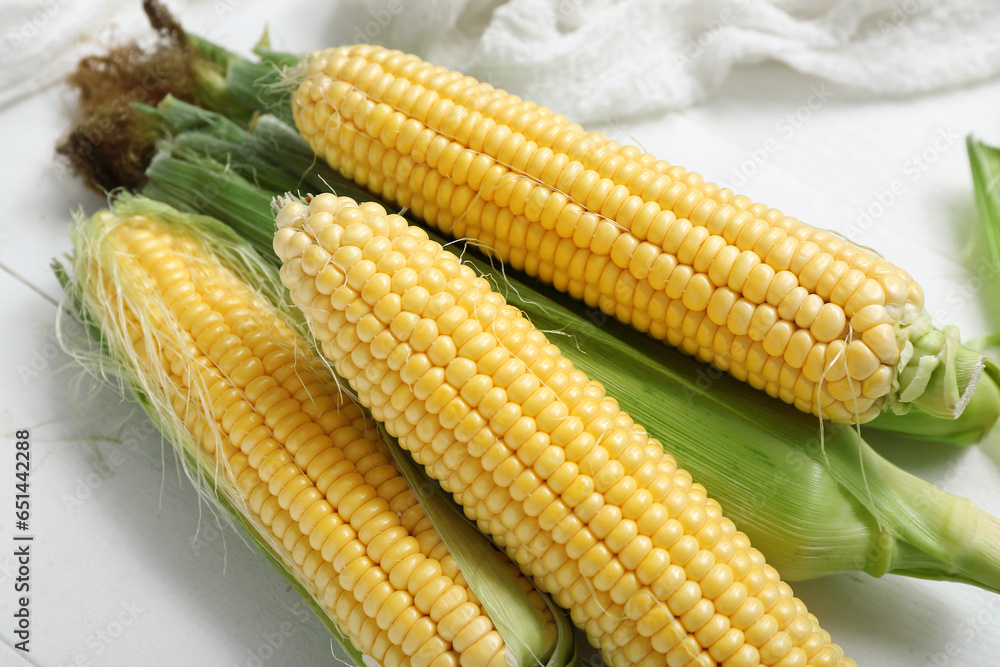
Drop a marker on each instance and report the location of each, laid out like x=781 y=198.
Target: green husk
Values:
x=952 y=387
x=180 y=116
x=800 y=496
x=514 y=616
x=820 y=500
x=985 y=163
x=106 y=354
x=979 y=415
x=262 y=85
x=208 y=187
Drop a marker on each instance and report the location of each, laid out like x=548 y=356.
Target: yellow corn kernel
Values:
x=543 y=179
x=623 y=491
x=306 y=463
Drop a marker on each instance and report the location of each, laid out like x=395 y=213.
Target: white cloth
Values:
x=42 y=40
x=593 y=60
x=597 y=60
x=11 y=657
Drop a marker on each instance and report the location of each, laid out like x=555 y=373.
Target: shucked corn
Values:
x=580 y=496
x=307 y=464
x=747 y=456
x=802 y=313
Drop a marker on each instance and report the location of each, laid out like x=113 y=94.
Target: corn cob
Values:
x=799 y=312
x=273 y=427
x=769 y=468
x=580 y=497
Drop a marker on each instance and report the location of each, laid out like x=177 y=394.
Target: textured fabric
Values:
x=596 y=60
x=12 y=657
x=41 y=40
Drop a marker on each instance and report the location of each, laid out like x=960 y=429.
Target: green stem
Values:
x=182 y=117
x=262 y=86
x=960 y=392
x=281 y=144
x=519 y=622
x=936 y=535
x=212 y=90
x=222 y=194
x=195 y=148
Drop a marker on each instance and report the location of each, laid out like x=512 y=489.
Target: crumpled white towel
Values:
x=42 y=40
x=11 y=657
x=596 y=60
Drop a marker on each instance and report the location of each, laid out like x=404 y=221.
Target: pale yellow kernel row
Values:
x=449 y=108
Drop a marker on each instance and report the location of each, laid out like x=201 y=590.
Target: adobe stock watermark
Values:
x=969 y=630
x=381 y=18
x=271 y=642
x=984 y=274
x=615 y=127
x=135 y=434
x=564 y=10
x=33 y=24
x=900 y=13
x=911 y=171
x=41 y=358
x=207 y=533
x=696 y=45
x=705 y=376
x=99 y=641
x=785 y=128
x=953 y=475
x=224 y=8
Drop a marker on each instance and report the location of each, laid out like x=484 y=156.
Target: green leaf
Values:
x=488 y=572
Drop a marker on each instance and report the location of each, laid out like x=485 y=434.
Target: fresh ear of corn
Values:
x=804 y=314
x=261 y=87
x=814 y=504
x=266 y=426
x=578 y=494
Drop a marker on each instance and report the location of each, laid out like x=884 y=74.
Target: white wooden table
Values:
x=128 y=567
